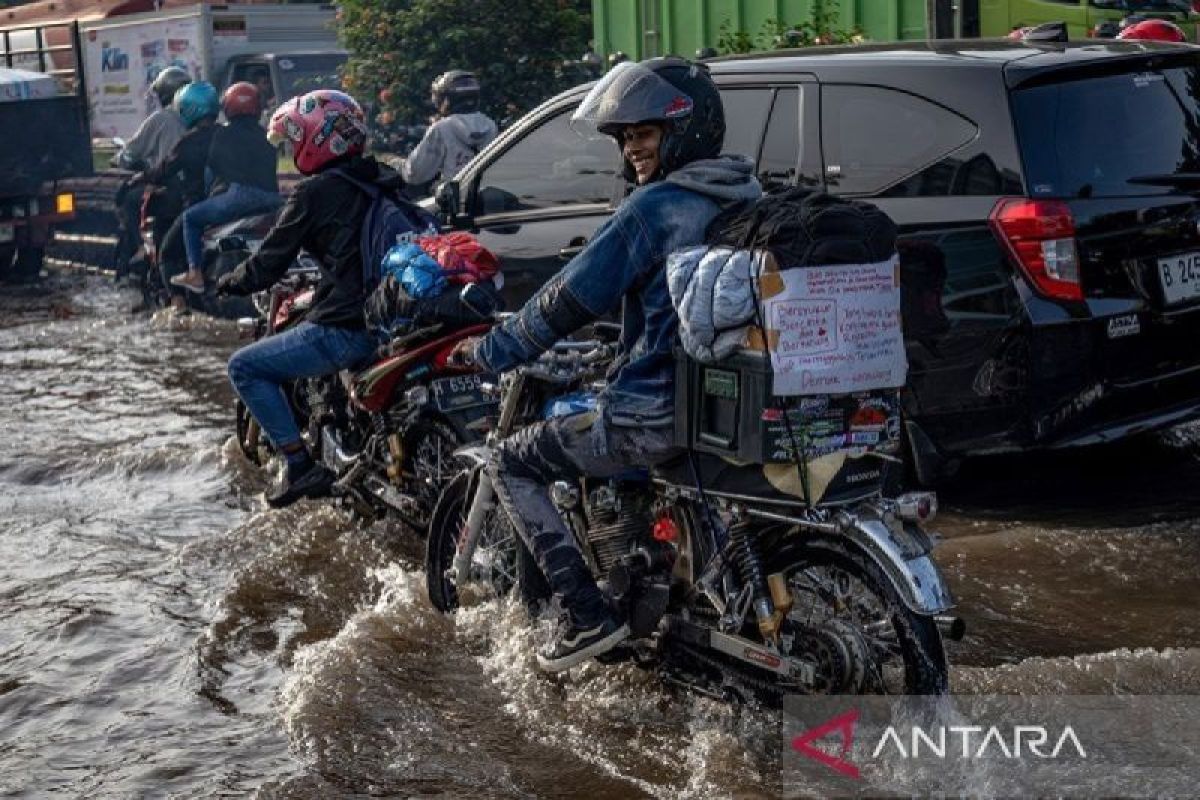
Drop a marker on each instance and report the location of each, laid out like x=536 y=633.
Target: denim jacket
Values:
x=623 y=266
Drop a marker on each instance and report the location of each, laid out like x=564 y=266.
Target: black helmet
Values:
x=705 y=53
x=458 y=86
x=669 y=90
x=167 y=83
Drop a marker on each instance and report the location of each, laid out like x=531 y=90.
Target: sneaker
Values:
x=575 y=644
x=316 y=481
x=186 y=280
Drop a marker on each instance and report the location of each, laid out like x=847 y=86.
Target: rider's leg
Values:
x=171 y=260
x=234 y=203
x=258 y=372
x=523 y=468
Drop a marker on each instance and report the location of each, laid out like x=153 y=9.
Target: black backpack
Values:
x=391 y=219
x=802 y=227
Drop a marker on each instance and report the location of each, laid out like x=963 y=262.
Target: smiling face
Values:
x=640 y=145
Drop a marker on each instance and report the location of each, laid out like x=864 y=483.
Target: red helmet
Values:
x=1158 y=30
x=241 y=100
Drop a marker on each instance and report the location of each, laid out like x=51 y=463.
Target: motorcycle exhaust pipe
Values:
x=951 y=627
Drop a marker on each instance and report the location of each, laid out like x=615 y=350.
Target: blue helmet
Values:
x=196 y=101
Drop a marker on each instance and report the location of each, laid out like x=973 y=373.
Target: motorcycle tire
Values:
x=516 y=565
x=429 y=447
x=920 y=643
x=251 y=440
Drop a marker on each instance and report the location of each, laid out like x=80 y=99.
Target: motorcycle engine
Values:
x=616 y=519
x=637 y=568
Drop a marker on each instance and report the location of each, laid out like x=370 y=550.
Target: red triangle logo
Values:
x=843 y=725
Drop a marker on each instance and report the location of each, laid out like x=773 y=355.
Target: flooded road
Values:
x=162 y=634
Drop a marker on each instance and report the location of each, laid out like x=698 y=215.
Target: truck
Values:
x=43 y=112
x=293 y=46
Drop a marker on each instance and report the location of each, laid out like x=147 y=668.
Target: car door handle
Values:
x=573 y=249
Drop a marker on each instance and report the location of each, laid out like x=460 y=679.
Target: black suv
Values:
x=1050 y=244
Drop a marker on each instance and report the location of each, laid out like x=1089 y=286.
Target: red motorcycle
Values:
x=390 y=429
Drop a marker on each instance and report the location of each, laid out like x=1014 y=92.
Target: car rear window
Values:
x=1087 y=138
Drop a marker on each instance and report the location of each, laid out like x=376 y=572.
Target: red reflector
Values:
x=665 y=530
x=772 y=414
x=1040 y=236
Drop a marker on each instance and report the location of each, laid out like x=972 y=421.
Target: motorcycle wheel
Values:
x=501 y=560
x=848 y=617
x=255 y=446
x=429 y=452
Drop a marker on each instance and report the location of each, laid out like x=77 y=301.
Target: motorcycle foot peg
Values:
x=951 y=627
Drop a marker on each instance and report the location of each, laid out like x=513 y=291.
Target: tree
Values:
x=517 y=49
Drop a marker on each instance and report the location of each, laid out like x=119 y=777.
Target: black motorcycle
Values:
x=731 y=593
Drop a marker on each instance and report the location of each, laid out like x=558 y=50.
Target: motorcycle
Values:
x=729 y=594
x=389 y=430
x=136 y=255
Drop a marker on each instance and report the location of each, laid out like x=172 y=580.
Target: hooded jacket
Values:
x=448 y=145
x=324 y=215
x=622 y=267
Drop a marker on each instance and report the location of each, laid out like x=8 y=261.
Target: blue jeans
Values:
x=258 y=371
x=235 y=202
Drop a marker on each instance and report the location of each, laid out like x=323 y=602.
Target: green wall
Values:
x=684 y=26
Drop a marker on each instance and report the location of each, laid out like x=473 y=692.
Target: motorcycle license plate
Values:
x=1180 y=277
x=7 y=233
x=461 y=391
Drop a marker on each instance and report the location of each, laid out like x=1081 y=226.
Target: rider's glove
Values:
x=228 y=286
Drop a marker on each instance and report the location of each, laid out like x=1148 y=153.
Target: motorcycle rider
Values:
x=242 y=166
x=323 y=215
x=460 y=132
x=149 y=147
x=159 y=132
x=181 y=176
x=669 y=124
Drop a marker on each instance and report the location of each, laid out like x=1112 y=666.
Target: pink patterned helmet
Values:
x=322 y=126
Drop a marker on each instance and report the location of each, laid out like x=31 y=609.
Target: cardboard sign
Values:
x=835 y=329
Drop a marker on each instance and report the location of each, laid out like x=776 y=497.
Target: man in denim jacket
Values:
x=667 y=118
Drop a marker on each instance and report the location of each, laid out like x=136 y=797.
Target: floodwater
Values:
x=163 y=635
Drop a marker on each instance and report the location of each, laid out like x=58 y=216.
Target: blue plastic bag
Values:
x=416 y=271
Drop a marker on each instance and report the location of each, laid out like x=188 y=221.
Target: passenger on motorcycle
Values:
x=667 y=119
x=460 y=131
x=241 y=163
x=323 y=215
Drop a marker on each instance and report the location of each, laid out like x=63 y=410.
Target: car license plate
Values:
x=1180 y=277
x=7 y=233
x=461 y=391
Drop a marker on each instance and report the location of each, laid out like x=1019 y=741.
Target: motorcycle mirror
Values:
x=449 y=202
x=476 y=300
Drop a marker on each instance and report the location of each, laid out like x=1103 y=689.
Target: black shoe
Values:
x=574 y=644
x=316 y=481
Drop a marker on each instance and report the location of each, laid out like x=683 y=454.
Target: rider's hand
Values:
x=463 y=354
x=227 y=286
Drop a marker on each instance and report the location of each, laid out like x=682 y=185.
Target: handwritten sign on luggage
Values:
x=834 y=329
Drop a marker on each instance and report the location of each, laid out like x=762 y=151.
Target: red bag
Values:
x=463 y=258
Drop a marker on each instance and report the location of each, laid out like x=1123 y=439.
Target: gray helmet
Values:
x=168 y=82
x=458 y=86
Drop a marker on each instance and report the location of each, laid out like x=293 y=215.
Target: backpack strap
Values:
x=370 y=188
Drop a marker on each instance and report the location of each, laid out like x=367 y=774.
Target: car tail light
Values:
x=1040 y=235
